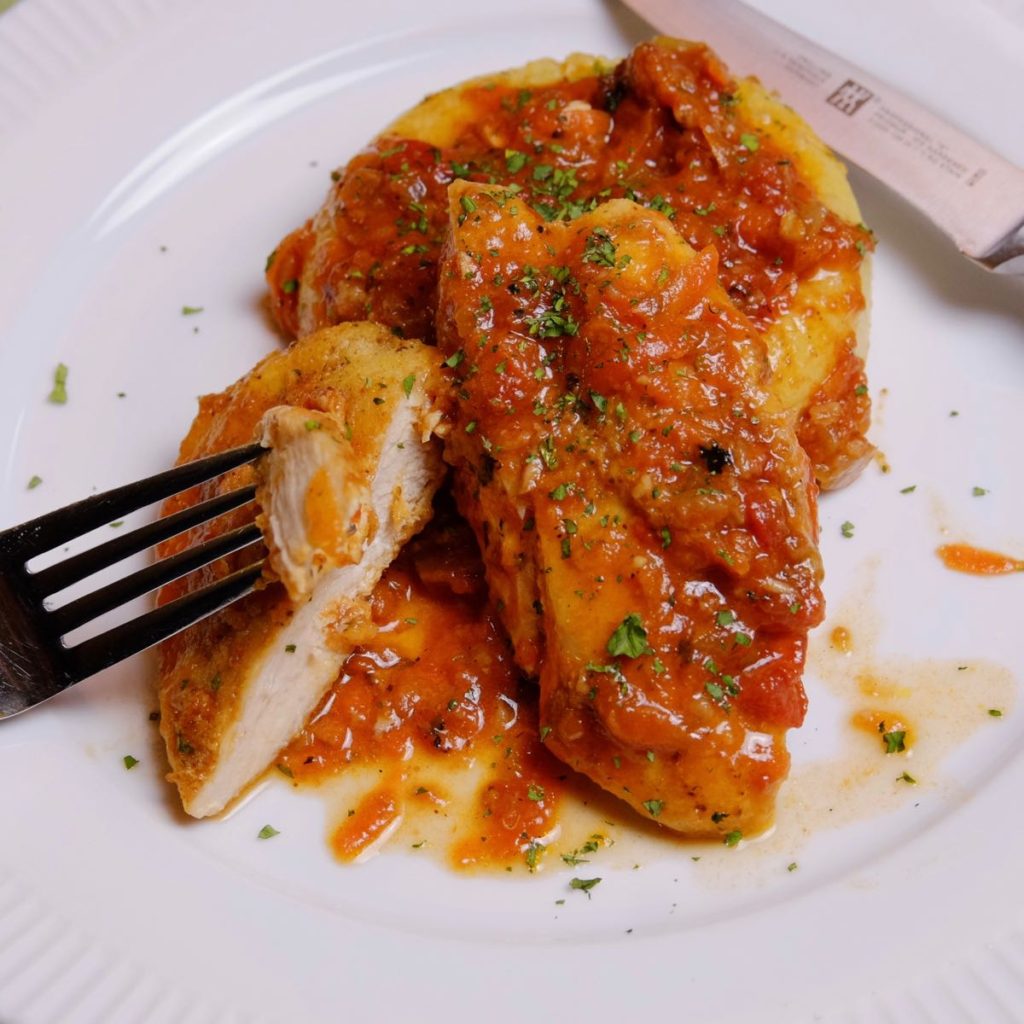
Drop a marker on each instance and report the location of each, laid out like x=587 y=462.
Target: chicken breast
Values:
x=729 y=164
x=645 y=513
x=314 y=497
x=350 y=413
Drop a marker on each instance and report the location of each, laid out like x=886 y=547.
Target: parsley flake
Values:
x=895 y=741
x=629 y=638
x=584 y=884
x=267 y=832
x=514 y=160
x=130 y=762
x=59 y=394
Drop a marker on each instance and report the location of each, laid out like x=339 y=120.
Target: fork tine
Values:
x=56 y=577
x=85 y=609
x=108 y=648
x=47 y=532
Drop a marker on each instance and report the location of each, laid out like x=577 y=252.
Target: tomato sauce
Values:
x=660 y=130
x=432 y=697
x=977 y=561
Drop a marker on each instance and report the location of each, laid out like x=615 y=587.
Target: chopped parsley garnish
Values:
x=908 y=490
x=289 y=648
x=313 y=425
x=191 y=310
x=407 y=384
x=584 y=884
x=792 y=866
x=554 y=322
x=535 y=793
x=725 y=618
x=600 y=402
x=847 y=529
x=979 y=492
x=290 y=285
x=130 y=762
x=750 y=141
x=59 y=394
x=860 y=389
x=267 y=832
x=629 y=638
x=559 y=493
x=532 y=851
x=467 y=203
x=995 y=713
x=34 y=482
x=894 y=740
x=907 y=778
x=732 y=838
x=285 y=770
x=666 y=537
x=454 y=359
x=654 y=807
x=514 y=160
x=599 y=249
x=547 y=453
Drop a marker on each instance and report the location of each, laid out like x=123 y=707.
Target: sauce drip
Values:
x=977 y=561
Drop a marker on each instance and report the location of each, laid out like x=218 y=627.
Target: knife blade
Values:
x=973 y=194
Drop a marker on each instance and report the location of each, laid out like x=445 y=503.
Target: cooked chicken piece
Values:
x=645 y=513
x=726 y=161
x=353 y=452
x=316 y=509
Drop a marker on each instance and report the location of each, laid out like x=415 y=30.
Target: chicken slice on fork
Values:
x=646 y=516
x=349 y=414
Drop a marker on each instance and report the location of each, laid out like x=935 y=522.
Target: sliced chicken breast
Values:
x=350 y=413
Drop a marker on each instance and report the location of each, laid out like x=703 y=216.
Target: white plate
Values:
x=128 y=125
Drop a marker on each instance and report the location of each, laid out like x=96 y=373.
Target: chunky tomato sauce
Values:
x=435 y=696
x=659 y=129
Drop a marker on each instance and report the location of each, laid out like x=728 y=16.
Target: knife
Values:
x=971 y=193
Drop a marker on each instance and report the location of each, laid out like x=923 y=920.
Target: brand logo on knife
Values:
x=850 y=97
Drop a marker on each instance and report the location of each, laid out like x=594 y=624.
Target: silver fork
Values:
x=35 y=661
